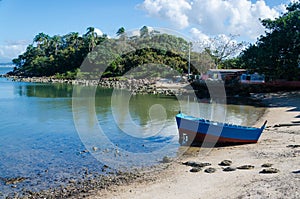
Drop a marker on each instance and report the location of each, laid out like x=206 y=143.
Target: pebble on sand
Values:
x=267 y=165
x=246 y=167
x=225 y=163
x=195 y=169
x=293 y=146
x=269 y=170
x=229 y=169
x=210 y=170
x=196 y=164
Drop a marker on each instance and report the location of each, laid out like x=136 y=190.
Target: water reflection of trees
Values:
x=139 y=105
x=44 y=90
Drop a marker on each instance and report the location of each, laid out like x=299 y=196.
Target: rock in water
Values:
x=13 y=181
x=167 y=159
x=84 y=151
x=225 y=163
x=95 y=148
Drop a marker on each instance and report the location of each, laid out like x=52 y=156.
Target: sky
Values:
x=21 y=20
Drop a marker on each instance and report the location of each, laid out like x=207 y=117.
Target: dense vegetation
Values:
x=275 y=54
x=63 y=56
x=47 y=55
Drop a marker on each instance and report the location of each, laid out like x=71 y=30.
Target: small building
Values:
x=225 y=74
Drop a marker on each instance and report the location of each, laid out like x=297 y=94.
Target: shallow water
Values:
x=49 y=137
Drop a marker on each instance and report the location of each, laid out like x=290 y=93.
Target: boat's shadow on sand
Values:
x=212 y=145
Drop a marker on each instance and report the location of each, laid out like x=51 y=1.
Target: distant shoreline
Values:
x=136 y=86
x=241 y=94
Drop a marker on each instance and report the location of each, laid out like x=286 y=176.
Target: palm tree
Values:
x=56 y=42
x=121 y=31
x=91 y=37
x=75 y=38
x=42 y=40
x=144 y=31
x=72 y=39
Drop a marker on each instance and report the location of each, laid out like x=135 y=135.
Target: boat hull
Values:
x=193 y=129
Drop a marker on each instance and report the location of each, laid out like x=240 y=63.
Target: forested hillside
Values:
x=275 y=54
x=65 y=55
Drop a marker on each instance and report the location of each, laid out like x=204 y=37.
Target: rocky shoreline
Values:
x=84 y=186
x=169 y=87
x=75 y=187
x=136 y=86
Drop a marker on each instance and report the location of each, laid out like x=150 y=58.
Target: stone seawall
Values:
x=136 y=86
x=169 y=88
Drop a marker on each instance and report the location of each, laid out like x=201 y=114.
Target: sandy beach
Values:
x=278 y=148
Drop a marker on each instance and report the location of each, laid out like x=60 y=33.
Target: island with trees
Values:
x=275 y=54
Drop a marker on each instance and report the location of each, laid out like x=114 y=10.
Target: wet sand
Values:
x=278 y=146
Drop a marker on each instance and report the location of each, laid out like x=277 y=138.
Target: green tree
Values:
x=42 y=40
x=56 y=42
x=121 y=31
x=144 y=31
x=91 y=37
x=62 y=56
x=277 y=54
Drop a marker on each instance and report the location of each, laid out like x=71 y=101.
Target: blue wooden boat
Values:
x=192 y=129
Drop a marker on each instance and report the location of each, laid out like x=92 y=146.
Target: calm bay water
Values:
x=44 y=138
x=5 y=69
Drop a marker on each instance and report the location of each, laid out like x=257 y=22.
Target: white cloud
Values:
x=12 y=49
x=174 y=10
x=98 y=32
x=199 y=35
x=214 y=17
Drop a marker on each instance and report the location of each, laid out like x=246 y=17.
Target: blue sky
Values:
x=21 y=20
